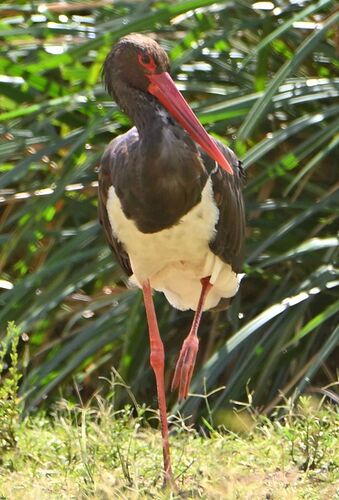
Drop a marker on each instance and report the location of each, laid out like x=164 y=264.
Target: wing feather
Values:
x=229 y=240
x=112 y=161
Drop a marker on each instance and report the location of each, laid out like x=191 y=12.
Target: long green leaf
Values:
x=261 y=106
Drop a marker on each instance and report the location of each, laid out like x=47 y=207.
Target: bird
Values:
x=170 y=203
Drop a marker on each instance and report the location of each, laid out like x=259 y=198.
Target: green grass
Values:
x=99 y=452
x=263 y=81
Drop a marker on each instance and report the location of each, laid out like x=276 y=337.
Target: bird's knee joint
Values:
x=157 y=358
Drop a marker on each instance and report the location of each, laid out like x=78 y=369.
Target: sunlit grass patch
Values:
x=97 y=452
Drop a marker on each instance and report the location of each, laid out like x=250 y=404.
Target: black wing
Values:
x=113 y=159
x=228 y=243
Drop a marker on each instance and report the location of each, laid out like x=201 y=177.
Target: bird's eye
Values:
x=147 y=62
x=145 y=59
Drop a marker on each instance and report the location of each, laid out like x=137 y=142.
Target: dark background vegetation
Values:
x=262 y=78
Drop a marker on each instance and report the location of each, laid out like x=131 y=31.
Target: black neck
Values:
x=143 y=109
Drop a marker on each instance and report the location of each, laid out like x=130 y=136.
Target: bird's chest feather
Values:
x=185 y=242
x=159 y=178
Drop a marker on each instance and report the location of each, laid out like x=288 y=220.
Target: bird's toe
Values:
x=185 y=366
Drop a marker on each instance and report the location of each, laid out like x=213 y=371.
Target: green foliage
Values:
x=10 y=403
x=311 y=432
x=265 y=82
x=97 y=451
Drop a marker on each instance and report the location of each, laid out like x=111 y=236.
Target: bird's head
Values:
x=137 y=61
x=131 y=60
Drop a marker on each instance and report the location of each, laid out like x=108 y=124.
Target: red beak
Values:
x=163 y=88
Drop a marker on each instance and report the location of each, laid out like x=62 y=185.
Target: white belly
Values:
x=175 y=259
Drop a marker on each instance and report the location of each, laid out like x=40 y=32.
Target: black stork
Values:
x=170 y=203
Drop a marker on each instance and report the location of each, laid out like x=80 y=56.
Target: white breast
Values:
x=175 y=259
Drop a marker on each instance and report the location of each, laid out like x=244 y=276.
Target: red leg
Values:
x=185 y=364
x=157 y=359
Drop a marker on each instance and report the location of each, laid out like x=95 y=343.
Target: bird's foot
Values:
x=169 y=483
x=185 y=366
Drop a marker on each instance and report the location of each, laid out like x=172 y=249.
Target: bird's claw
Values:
x=185 y=366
